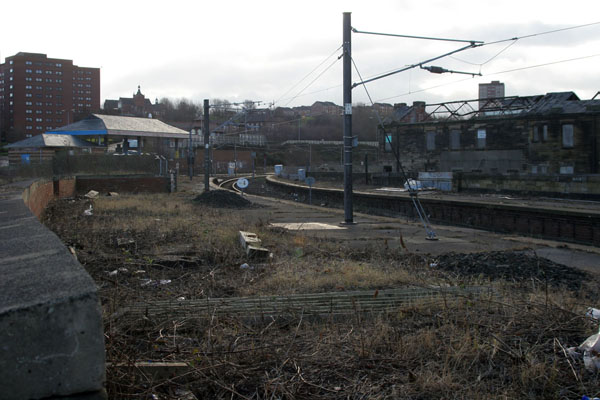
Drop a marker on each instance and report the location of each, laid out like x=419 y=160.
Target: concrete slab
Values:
x=306 y=226
x=51 y=335
x=386 y=232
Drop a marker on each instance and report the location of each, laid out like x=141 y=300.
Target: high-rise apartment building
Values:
x=492 y=90
x=38 y=93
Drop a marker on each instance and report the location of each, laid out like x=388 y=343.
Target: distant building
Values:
x=383 y=109
x=492 y=90
x=42 y=148
x=325 y=107
x=123 y=134
x=551 y=134
x=136 y=106
x=38 y=93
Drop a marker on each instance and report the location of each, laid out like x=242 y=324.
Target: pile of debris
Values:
x=512 y=266
x=222 y=199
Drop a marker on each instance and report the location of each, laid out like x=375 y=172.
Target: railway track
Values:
x=567 y=225
x=315 y=304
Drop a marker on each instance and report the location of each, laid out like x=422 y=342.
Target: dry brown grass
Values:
x=503 y=347
x=309 y=275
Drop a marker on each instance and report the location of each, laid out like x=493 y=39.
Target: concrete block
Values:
x=249 y=238
x=252 y=244
x=51 y=335
x=257 y=252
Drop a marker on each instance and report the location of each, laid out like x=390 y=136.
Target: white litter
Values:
x=589 y=350
x=593 y=313
x=92 y=194
x=412 y=184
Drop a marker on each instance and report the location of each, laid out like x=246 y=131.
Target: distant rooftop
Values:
x=113 y=125
x=51 y=140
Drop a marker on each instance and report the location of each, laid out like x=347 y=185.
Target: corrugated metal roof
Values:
x=51 y=140
x=557 y=103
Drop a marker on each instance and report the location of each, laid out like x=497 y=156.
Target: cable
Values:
x=479 y=44
x=307 y=75
x=545 y=64
x=491 y=74
x=514 y=40
x=313 y=81
x=316 y=91
x=363 y=82
x=542 y=33
x=490 y=59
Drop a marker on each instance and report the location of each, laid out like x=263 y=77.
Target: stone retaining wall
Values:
x=51 y=334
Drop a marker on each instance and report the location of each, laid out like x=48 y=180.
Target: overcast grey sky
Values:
x=258 y=50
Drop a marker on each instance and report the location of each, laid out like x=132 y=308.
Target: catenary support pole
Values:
x=190 y=157
x=206 y=128
x=366 y=169
x=347 y=87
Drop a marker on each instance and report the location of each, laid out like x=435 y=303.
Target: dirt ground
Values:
x=141 y=249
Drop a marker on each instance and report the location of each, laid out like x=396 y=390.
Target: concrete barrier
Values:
x=51 y=335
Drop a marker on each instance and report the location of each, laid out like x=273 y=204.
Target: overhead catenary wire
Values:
x=313 y=81
x=489 y=59
x=542 y=33
x=307 y=75
x=491 y=74
x=476 y=44
x=363 y=82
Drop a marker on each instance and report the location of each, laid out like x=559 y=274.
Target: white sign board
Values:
x=242 y=183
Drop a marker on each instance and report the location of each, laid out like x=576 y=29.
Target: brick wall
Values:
x=38 y=195
x=571 y=186
x=140 y=184
x=64 y=188
x=504 y=137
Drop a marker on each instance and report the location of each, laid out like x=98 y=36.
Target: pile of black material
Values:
x=512 y=266
x=222 y=199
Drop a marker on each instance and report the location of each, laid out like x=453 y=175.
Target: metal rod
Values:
x=417 y=37
x=415 y=65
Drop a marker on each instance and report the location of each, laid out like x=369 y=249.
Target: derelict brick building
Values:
x=556 y=133
x=38 y=94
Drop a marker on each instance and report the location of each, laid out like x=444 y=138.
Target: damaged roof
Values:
x=505 y=107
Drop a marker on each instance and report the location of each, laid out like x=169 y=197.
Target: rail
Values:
x=319 y=304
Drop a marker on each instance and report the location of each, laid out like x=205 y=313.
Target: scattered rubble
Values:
x=222 y=199
x=512 y=266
